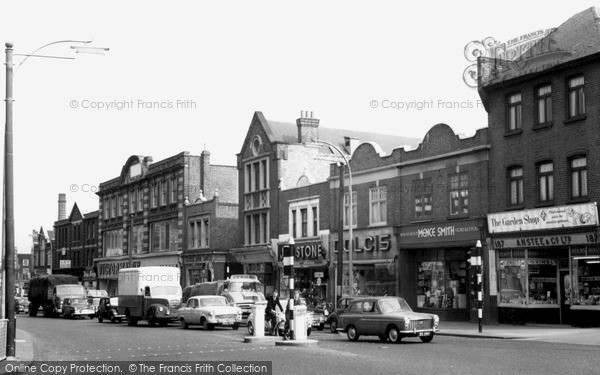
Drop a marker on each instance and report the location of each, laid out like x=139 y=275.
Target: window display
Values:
x=371 y=279
x=442 y=284
x=528 y=278
x=586 y=281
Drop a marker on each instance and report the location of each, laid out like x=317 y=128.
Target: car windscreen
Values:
x=213 y=302
x=388 y=305
x=79 y=301
x=239 y=286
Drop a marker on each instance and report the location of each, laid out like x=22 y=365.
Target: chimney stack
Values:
x=62 y=206
x=308 y=127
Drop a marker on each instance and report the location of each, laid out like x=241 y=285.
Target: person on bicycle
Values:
x=271 y=310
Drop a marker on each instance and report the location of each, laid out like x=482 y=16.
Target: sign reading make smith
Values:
x=572 y=216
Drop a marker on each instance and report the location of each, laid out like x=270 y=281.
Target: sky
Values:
x=189 y=75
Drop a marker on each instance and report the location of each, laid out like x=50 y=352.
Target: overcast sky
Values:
x=349 y=62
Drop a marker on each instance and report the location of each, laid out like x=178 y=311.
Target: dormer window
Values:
x=135 y=170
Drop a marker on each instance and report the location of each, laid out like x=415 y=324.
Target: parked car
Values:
x=108 y=309
x=316 y=315
x=332 y=318
x=209 y=312
x=75 y=307
x=389 y=318
x=21 y=305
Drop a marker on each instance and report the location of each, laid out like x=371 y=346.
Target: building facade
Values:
x=543 y=111
x=142 y=211
x=23 y=272
x=41 y=252
x=278 y=156
x=76 y=245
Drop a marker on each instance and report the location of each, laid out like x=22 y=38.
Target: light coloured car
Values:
x=75 y=307
x=389 y=318
x=209 y=312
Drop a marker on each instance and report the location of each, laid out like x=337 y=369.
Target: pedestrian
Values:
x=271 y=310
x=289 y=313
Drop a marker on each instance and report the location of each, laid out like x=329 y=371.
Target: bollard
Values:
x=300 y=323
x=259 y=320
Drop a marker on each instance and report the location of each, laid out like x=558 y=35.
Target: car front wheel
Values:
x=394 y=335
x=426 y=339
x=235 y=326
x=99 y=319
x=352 y=333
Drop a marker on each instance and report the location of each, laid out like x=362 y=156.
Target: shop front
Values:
x=547 y=264
x=373 y=263
x=435 y=271
x=108 y=271
x=204 y=266
x=311 y=272
x=256 y=261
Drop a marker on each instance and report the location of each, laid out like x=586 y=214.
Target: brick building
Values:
x=416 y=215
x=543 y=110
x=279 y=156
x=142 y=211
x=210 y=233
x=76 y=244
x=23 y=272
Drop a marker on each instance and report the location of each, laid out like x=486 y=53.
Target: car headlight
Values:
x=436 y=320
x=406 y=323
x=212 y=313
x=160 y=309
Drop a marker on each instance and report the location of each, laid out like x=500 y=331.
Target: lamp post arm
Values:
x=52 y=43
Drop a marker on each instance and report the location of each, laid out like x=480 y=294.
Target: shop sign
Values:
x=89 y=274
x=368 y=244
x=459 y=231
x=305 y=251
x=111 y=269
x=543 y=241
x=572 y=216
x=65 y=263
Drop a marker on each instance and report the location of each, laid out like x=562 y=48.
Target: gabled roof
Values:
x=286 y=132
x=576 y=38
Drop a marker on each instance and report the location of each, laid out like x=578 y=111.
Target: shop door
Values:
x=564 y=283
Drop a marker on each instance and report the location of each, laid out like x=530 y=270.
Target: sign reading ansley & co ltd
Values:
x=572 y=216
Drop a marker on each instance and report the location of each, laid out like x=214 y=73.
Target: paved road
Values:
x=59 y=339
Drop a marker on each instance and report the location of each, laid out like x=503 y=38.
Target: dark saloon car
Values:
x=332 y=318
x=389 y=318
x=107 y=309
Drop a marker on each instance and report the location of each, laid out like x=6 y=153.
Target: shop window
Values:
x=528 y=278
x=584 y=282
x=371 y=279
x=442 y=280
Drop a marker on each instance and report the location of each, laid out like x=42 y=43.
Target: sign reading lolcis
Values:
x=572 y=216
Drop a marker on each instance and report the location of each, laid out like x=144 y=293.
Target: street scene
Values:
x=301 y=190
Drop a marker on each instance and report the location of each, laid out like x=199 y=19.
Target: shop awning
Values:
x=254 y=255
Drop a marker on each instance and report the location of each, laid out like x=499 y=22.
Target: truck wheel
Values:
x=151 y=321
x=99 y=319
x=112 y=318
x=235 y=326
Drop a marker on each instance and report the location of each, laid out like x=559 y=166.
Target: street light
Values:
x=350 y=216
x=8 y=211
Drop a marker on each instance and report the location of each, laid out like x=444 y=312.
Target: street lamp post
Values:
x=350 y=217
x=9 y=221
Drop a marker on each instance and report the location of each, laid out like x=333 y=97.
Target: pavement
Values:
x=555 y=333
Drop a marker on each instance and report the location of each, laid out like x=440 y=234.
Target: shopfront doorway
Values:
x=565 y=296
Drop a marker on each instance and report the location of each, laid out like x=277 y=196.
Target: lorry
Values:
x=241 y=291
x=149 y=293
x=49 y=292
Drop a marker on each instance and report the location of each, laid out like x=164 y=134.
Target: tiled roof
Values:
x=286 y=132
x=576 y=38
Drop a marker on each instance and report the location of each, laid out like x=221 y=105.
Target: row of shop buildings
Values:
x=525 y=187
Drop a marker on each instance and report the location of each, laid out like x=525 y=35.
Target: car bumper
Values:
x=84 y=312
x=223 y=322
